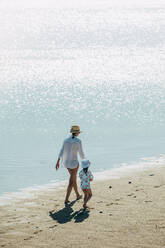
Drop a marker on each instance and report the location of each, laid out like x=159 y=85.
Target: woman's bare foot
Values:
x=79 y=197
x=67 y=201
x=85 y=206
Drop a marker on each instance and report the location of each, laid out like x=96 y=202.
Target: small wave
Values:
x=29 y=192
x=117 y=172
x=127 y=169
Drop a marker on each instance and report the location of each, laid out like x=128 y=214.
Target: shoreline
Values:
x=124 y=170
x=127 y=212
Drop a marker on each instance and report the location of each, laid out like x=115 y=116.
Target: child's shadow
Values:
x=67 y=213
x=81 y=215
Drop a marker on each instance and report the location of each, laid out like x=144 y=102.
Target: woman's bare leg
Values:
x=85 y=198
x=72 y=183
x=75 y=182
x=89 y=194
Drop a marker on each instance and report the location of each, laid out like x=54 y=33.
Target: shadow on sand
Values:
x=67 y=213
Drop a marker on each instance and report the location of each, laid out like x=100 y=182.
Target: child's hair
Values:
x=85 y=170
x=73 y=135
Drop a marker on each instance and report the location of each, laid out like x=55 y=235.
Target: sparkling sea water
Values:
x=99 y=64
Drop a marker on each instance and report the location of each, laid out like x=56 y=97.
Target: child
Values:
x=85 y=177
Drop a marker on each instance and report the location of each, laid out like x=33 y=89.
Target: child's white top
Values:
x=85 y=179
x=68 y=153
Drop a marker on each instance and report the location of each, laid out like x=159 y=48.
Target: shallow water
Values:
x=98 y=65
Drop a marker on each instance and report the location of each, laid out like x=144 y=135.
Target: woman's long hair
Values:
x=73 y=135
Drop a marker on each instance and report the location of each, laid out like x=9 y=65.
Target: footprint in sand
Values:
x=56 y=205
x=131 y=194
x=53 y=226
x=161 y=226
x=109 y=204
x=36 y=232
x=14 y=218
x=112 y=203
x=28 y=238
x=139 y=189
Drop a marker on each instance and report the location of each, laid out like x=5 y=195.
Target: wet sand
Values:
x=124 y=213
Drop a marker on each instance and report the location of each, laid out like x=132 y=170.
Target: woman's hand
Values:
x=58 y=164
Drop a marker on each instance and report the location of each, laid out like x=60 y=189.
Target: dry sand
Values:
x=126 y=213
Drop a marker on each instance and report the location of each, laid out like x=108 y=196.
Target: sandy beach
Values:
x=126 y=213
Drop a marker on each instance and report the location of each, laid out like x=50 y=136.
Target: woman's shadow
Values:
x=67 y=213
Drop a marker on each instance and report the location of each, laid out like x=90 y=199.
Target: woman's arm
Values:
x=59 y=156
x=58 y=164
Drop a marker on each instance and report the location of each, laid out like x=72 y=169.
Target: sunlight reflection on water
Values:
x=101 y=68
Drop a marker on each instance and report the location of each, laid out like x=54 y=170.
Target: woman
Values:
x=68 y=156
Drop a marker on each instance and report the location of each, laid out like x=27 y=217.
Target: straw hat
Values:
x=75 y=129
x=85 y=163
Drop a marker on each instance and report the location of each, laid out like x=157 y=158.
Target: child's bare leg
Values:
x=85 y=198
x=89 y=194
